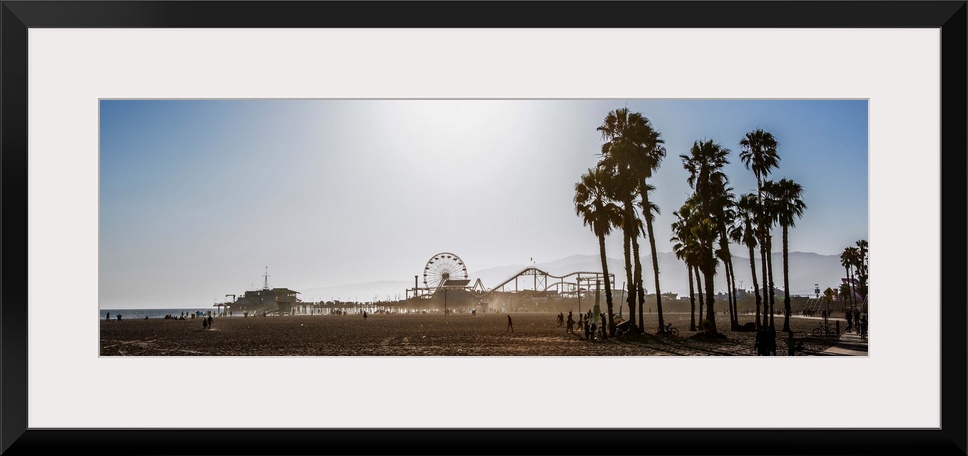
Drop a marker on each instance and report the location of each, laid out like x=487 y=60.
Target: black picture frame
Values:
x=18 y=16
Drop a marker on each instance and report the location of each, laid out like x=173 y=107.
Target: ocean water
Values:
x=140 y=314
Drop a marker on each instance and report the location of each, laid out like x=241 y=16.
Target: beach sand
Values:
x=535 y=334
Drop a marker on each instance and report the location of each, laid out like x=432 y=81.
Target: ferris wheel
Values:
x=442 y=267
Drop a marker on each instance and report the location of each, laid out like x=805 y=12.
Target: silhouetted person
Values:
x=119 y=317
x=850 y=319
x=604 y=328
x=510 y=326
x=107 y=317
x=205 y=323
x=364 y=315
x=210 y=321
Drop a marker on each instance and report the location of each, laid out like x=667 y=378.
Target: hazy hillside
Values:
x=806 y=269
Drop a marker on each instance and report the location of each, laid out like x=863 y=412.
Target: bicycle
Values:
x=824 y=329
x=670 y=330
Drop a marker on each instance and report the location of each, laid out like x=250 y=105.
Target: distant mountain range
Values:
x=806 y=270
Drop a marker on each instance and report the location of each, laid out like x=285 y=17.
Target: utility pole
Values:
x=579 y=293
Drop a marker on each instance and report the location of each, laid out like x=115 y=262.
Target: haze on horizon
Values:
x=198 y=197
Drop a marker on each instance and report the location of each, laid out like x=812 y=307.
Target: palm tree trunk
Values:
x=847 y=298
x=702 y=300
x=641 y=294
x=608 y=287
x=769 y=261
x=637 y=276
x=756 y=286
x=786 y=281
x=646 y=205
x=710 y=300
x=730 y=282
x=692 y=300
x=766 y=282
x=630 y=291
x=850 y=286
x=732 y=286
x=729 y=302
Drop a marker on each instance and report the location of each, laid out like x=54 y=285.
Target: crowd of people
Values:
x=592 y=327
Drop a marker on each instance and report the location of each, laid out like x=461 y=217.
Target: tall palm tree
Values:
x=642 y=158
x=704 y=164
x=747 y=209
x=758 y=153
x=600 y=214
x=787 y=198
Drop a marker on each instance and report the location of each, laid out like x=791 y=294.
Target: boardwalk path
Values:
x=850 y=344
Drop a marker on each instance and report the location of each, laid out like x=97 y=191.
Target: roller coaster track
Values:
x=532 y=271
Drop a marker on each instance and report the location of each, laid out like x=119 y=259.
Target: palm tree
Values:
x=704 y=165
x=759 y=155
x=724 y=214
x=699 y=285
x=856 y=264
x=622 y=189
x=862 y=269
x=685 y=249
x=745 y=233
x=642 y=158
x=767 y=216
x=786 y=196
x=637 y=264
x=598 y=213
x=649 y=211
x=847 y=260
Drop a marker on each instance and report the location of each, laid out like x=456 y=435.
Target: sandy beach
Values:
x=535 y=334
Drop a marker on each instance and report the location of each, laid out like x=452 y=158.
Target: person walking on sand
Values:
x=364 y=315
x=510 y=326
x=107 y=317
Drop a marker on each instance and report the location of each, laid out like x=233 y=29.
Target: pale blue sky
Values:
x=197 y=197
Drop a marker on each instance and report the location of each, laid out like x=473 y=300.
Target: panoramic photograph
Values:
x=483 y=227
